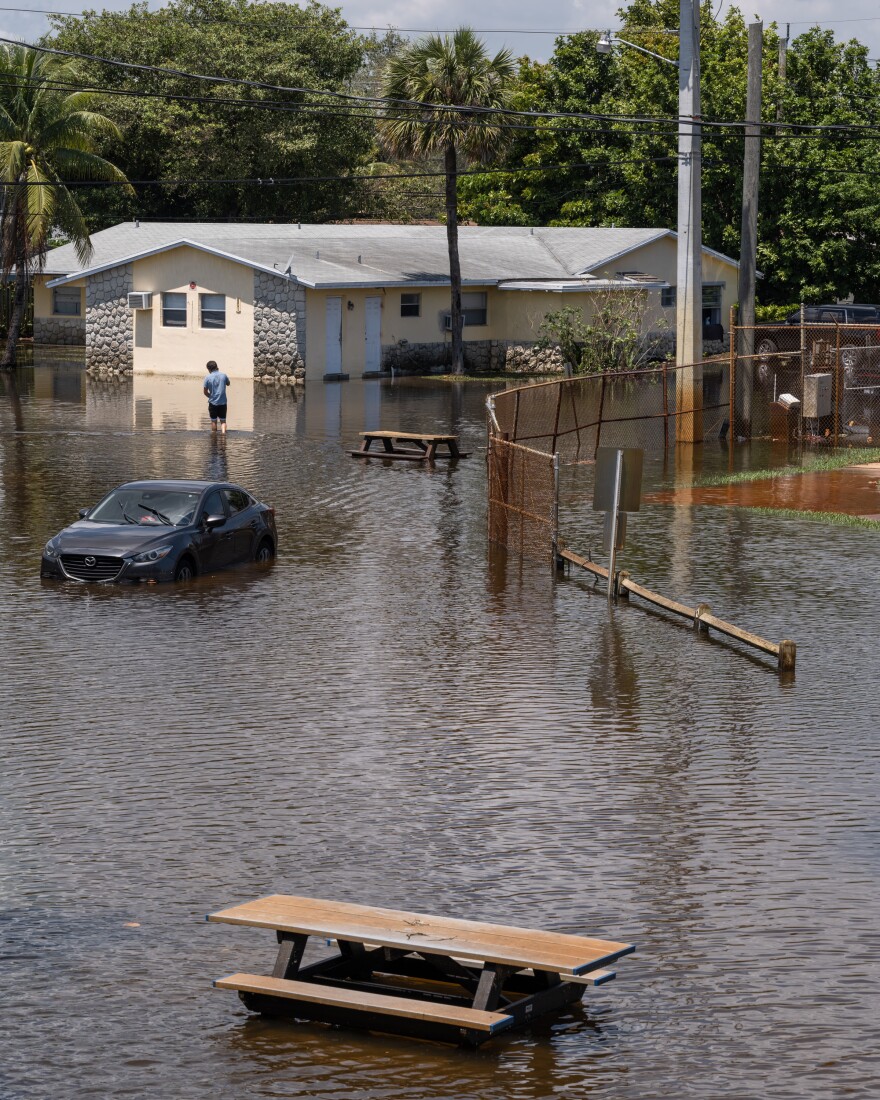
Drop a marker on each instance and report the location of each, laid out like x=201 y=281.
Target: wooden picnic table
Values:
x=422 y=446
x=440 y=978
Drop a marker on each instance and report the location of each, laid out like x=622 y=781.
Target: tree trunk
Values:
x=451 y=167
x=20 y=298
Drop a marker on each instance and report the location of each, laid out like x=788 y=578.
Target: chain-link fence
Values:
x=522 y=498
x=650 y=409
x=816 y=383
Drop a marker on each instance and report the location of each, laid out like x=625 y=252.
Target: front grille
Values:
x=104 y=568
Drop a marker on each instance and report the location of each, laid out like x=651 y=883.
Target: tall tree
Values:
x=427 y=80
x=819 y=222
x=230 y=148
x=47 y=139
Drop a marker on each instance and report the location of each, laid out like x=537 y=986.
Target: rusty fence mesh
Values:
x=575 y=416
x=807 y=384
x=522 y=499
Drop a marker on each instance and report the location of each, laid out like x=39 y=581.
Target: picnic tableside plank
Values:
x=437 y=437
x=594 y=977
x=503 y=944
x=380 y=1003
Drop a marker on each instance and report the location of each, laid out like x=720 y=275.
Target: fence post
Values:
x=803 y=373
x=599 y=423
x=557 y=560
x=838 y=382
x=731 y=381
x=559 y=386
x=665 y=408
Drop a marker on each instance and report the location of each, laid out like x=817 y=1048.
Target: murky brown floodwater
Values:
x=387 y=717
x=852 y=491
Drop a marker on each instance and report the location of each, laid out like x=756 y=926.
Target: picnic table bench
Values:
x=439 y=978
x=423 y=446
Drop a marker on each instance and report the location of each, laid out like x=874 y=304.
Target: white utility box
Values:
x=817 y=396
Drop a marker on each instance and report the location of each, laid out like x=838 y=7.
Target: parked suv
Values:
x=859 y=346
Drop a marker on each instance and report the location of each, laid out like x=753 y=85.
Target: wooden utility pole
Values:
x=748 y=245
x=689 y=295
x=782 y=59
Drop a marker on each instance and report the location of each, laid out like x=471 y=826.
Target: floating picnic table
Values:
x=422 y=446
x=451 y=980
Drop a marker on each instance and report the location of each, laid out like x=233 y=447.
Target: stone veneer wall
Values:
x=480 y=356
x=109 y=321
x=279 y=325
x=59 y=330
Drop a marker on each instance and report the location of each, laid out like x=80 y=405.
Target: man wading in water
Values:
x=214 y=388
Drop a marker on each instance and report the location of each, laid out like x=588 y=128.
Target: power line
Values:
x=433 y=108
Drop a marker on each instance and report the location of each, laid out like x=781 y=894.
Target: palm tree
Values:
x=47 y=136
x=437 y=77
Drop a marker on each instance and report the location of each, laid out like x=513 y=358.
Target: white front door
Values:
x=333 y=329
x=373 y=336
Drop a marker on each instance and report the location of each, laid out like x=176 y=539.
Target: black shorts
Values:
x=217 y=412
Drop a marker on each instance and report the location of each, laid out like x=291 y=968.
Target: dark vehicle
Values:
x=162 y=531
x=784 y=337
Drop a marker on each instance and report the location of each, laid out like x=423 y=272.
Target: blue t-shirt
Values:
x=216 y=384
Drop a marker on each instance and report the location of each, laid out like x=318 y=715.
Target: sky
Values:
x=525 y=26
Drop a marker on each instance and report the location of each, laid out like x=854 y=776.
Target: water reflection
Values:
x=392 y=716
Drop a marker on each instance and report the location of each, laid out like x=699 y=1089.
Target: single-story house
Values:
x=343 y=300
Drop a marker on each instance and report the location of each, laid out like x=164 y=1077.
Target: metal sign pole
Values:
x=615 y=515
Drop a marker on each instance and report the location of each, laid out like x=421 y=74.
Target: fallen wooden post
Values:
x=785 y=651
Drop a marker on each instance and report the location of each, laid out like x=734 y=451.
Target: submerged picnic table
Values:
x=458 y=981
x=422 y=446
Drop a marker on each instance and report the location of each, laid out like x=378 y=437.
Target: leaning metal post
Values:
x=555 y=531
x=615 y=515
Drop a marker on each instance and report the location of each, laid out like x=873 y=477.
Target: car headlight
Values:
x=51 y=549
x=152 y=555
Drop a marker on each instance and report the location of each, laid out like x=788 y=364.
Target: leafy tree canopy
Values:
x=224 y=131
x=819 y=220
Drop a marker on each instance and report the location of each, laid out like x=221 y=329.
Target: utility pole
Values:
x=689 y=293
x=782 y=59
x=748 y=242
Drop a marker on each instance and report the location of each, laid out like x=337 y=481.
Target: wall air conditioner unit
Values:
x=140 y=299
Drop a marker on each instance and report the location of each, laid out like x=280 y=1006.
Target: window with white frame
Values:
x=174 y=310
x=410 y=305
x=67 y=301
x=667 y=297
x=212 y=310
x=473 y=308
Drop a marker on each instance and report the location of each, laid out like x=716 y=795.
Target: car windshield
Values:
x=147 y=507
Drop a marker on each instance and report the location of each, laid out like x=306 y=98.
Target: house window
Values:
x=667 y=297
x=410 y=305
x=712 y=305
x=473 y=308
x=66 y=301
x=174 y=310
x=212 y=308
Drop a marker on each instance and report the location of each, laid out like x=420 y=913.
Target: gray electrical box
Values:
x=817 y=396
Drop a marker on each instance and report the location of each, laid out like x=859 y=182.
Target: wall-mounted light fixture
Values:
x=350 y=305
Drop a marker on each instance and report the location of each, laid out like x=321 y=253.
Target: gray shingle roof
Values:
x=371 y=255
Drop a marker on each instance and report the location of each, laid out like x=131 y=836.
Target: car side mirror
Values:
x=214 y=521
x=83 y=512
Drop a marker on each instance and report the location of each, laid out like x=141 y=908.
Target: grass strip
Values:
x=818 y=464
x=836 y=519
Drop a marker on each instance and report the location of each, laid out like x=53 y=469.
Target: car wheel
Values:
x=185 y=570
x=265 y=551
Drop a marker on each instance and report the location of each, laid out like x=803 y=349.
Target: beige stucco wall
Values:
x=162 y=350
x=511 y=315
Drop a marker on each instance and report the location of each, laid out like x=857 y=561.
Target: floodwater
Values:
x=387 y=715
x=852 y=491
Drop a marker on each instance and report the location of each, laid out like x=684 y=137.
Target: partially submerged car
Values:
x=163 y=531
